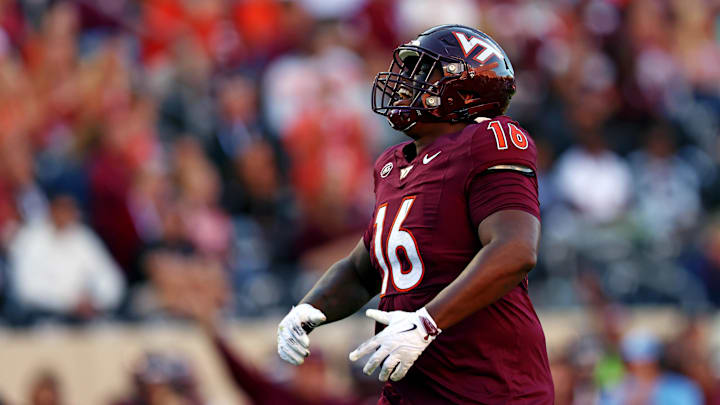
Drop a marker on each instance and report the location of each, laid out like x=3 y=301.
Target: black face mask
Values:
x=397 y=94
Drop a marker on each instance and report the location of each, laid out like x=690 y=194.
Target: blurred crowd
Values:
x=151 y=148
x=616 y=363
x=612 y=361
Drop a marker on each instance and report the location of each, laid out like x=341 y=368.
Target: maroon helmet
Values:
x=477 y=79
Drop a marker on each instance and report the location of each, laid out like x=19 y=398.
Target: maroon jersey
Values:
x=424 y=233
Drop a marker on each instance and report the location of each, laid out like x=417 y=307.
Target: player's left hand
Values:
x=398 y=346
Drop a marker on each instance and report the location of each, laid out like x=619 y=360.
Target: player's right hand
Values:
x=292 y=340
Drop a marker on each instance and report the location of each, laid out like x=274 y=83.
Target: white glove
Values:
x=399 y=344
x=292 y=339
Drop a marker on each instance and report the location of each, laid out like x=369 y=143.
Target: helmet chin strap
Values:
x=412 y=124
x=403 y=120
x=407 y=119
x=464 y=114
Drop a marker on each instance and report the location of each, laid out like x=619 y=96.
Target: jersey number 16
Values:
x=516 y=135
x=399 y=239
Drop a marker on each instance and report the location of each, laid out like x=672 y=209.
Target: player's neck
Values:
x=432 y=132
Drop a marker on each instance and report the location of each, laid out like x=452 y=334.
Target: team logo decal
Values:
x=386 y=170
x=469 y=44
x=404 y=171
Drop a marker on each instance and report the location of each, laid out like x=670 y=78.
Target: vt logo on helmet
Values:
x=450 y=73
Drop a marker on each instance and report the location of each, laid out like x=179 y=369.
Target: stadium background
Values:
x=170 y=159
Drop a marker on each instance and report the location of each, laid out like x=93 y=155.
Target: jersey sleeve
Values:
x=500 y=141
x=503 y=170
x=504 y=190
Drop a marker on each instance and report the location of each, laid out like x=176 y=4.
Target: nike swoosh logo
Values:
x=413 y=328
x=427 y=159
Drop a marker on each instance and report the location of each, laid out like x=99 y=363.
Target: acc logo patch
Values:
x=386 y=170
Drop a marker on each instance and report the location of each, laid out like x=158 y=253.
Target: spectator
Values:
x=45 y=390
x=264 y=209
x=59 y=267
x=417 y=15
x=329 y=143
x=149 y=199
x=174 y=278
x=666 y=190
x=594 y=180
x=703 y=260
x=646 y=382
x=238 y=121
x=563 y=379
x=198 y=184
x=690 y=354
x=20 y=196
x=111 y=176
x=308 y=385
x=188 y=107
x=163 y=379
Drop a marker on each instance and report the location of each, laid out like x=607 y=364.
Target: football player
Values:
x=453 y=236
